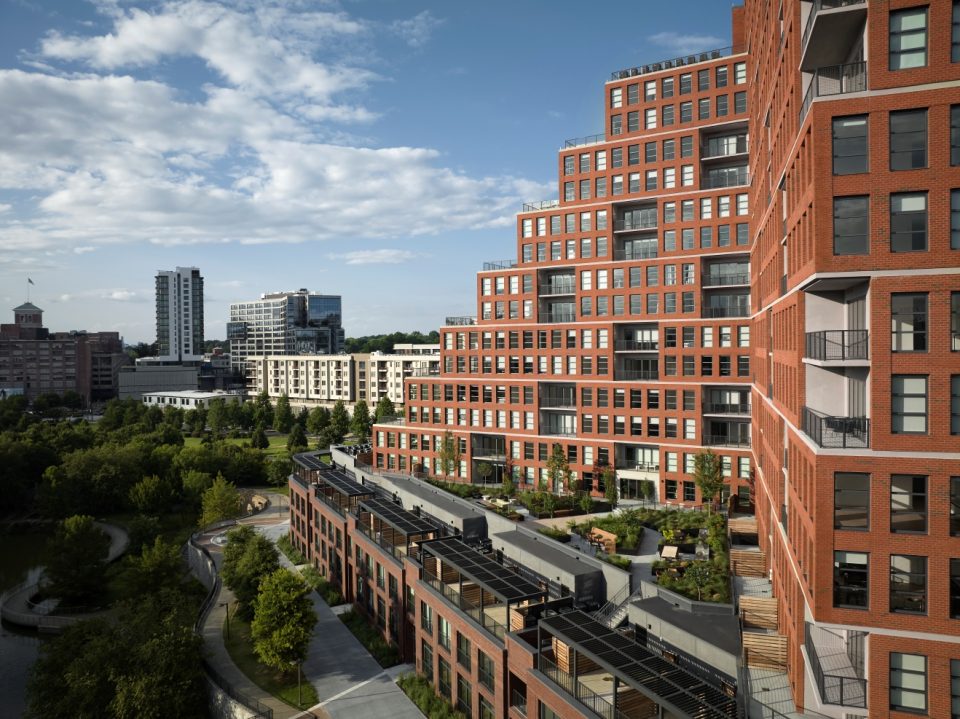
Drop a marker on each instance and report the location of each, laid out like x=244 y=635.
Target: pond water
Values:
x=20 y=554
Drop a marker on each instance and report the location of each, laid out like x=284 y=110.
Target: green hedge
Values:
x=615 y=559
x=555 y=533
x=422 y=693
x=386 y=654
x=330 y=594
x=289 y=551
x=465 y=491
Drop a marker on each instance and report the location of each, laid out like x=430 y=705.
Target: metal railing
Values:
x=817 y=6
x=558 y=316
x=731 y=278
x=646 y=220
x=518 y=701
x=541 y=205
x=581 y=692
x=838 y=345
x=836 y=432
x=637 y=345
x=736 y=311
x=423 y=372
x=562 y=400
x=715 y=147
x=467 y=607
x=704 y=56
x=585 y=140
x=725 y=440
x=834 y=688
x=637 y=374
x=499 y=265
x=834 y=80
x=461 y=321
x=559 y=288
x=638 y=466
x=725 y=179
x=638 y=253
x=727 y=407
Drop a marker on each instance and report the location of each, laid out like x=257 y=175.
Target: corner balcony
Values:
x=499 y=265
x=833 y=27
x=834 y=80
x=836 y=660
x=836 y=432
x=846 y=347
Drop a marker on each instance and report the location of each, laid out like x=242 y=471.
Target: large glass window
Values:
x=908 y=315
x=908 y=682
x=443 y=675
x=908 y=584
x=908 y=222
x=954 y=506
x=908 y=38
x=463 y=651
x=955 y=598
x=955 y=134
x=443 y=635
x=909 y=406
x=486 y=669
x=955 y=404
x=851 y=500
x=850 y=145
x=908 y=139
x=851 y=225
x=851 y=579
x=955 y=321
x=908 y=503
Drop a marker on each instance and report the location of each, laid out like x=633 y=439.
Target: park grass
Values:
x=281 y=685
x=278 y=443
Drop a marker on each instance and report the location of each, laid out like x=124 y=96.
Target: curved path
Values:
x=16 y=608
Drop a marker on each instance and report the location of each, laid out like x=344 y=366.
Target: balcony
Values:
x=726 y=279
x=724 y=146
x=499 y=265
x=635 y=253
x=835 y=80
x=734 y=177
x=541 y=205
x=726 y=440
x=559 y=286
x=518 y=702
x=837 y=345
x=731 y=311
x=832 y=29
x=637 y=346
x=561 y=399
x=553 y=317
x=637 y=374
x=633 y=221
x=726 y=408
x=585 y=140
x=836 y=432
x=836 y=661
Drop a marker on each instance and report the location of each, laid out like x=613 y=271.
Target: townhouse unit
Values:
x=502 y=621
x=855 y=230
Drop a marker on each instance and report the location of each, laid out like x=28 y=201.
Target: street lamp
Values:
x=227 y=606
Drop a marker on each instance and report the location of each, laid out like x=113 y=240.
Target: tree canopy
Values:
x=221 y=501
x=385 y=343
x=77 y=564
x=283 y=620
x=247 y=558
x=360 y=422
x=708 y=474
x=339 y=422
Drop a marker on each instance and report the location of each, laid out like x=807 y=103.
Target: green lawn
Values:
x=278 y=443
x=282 y=686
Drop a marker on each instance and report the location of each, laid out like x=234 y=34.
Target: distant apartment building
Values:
x=188 y=399
x=285 y=323
x=621 y=331
x=321 y=380
x=38 y=361
x=179 y=297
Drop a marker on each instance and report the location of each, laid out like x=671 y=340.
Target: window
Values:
x=851 y=500
x=955 y=33
x=547 y=713
x=723 y=106
x=908 y=38
x=721 y=74
x=909 y=408
x=686 y=111
x=954 y=506
x=955 y=219
x=703 y=108
x=633 y=121
x=740 y=102
x=850 y=145
x=703 y=80
x=616 y=124
x=955 y=404
x=908 y=313
x=443 y=676
x=686 y=83
x=486 y=708
x=585 y=162
x=955 y=134
x=908 y=139
x=463 y=651
x=426 y=618
x=616 y=97
x=650 y=90
x=568 y=165
x=908 y=584
x=908 y=222
x=851 y=225
x=633 y=153
x=485 y=666
x=908 y=682
x=851 y=579
x=666 y=87
x=443 y=633
x=908 y=503
x=667 y=116
x=670 y=146
x=650 y=152
x=954 y=614
x=650 y=118
x=740 y=73
x=955 y=321
x=686 y=146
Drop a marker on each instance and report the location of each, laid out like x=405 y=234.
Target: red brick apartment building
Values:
x=855 y=257
x=788 y=296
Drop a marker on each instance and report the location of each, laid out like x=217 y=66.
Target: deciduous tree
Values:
x=221 y=501
x=297 y=440
x=77 y=564
x=360 y=422
x=708 y=474
x=283 y=620
x=283 y=415
x=339 y=422
x=247 y=558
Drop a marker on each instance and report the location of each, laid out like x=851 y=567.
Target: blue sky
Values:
x=376 y=149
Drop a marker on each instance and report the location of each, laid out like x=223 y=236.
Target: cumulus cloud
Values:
x=110 y=151
x=375 y=257
x=684 y=43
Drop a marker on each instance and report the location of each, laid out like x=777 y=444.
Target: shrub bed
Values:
x=560 y=535
x=327 y=591
x=464 y=491
x=422 y=693
x=386 y=654
x=289 y=551
x=615 y=559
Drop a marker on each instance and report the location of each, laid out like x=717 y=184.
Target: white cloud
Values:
x=375 y=257
x=416 y=31
x=682 y=43
x=254 y=158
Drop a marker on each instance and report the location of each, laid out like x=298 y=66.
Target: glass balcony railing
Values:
x=559 y=287
x=838 y=345
x=727 y=278
x=730 y=311
x=726 y=407
x=558 y=317
x=635 y=253
x=726 y=440
x=499 y=265
x=637 y=374
x=637 y=346
x=836 y=432
x=733 y=177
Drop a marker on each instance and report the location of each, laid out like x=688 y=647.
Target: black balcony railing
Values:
x=676 y=62
x=637 y=345
x=585 y=140
x=563 y=401
x=723 y=147
x=644 y=220
x=541 y=205
x=730 y=278
x=835 y=80
x=460 y=321
x=638 y=374
x=726 y=440
x=836 y=432
x=718 y=180
x=580 y=691
x=559 y=287
x=558 y=316
x=499 y=265
x=834 y=688
x=731 y=311
x=838 y=345
x=726 y=407
x=636 y=253
x=817 y=6
x=518 y=701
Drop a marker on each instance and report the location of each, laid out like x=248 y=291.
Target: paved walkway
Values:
x=349 y=682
